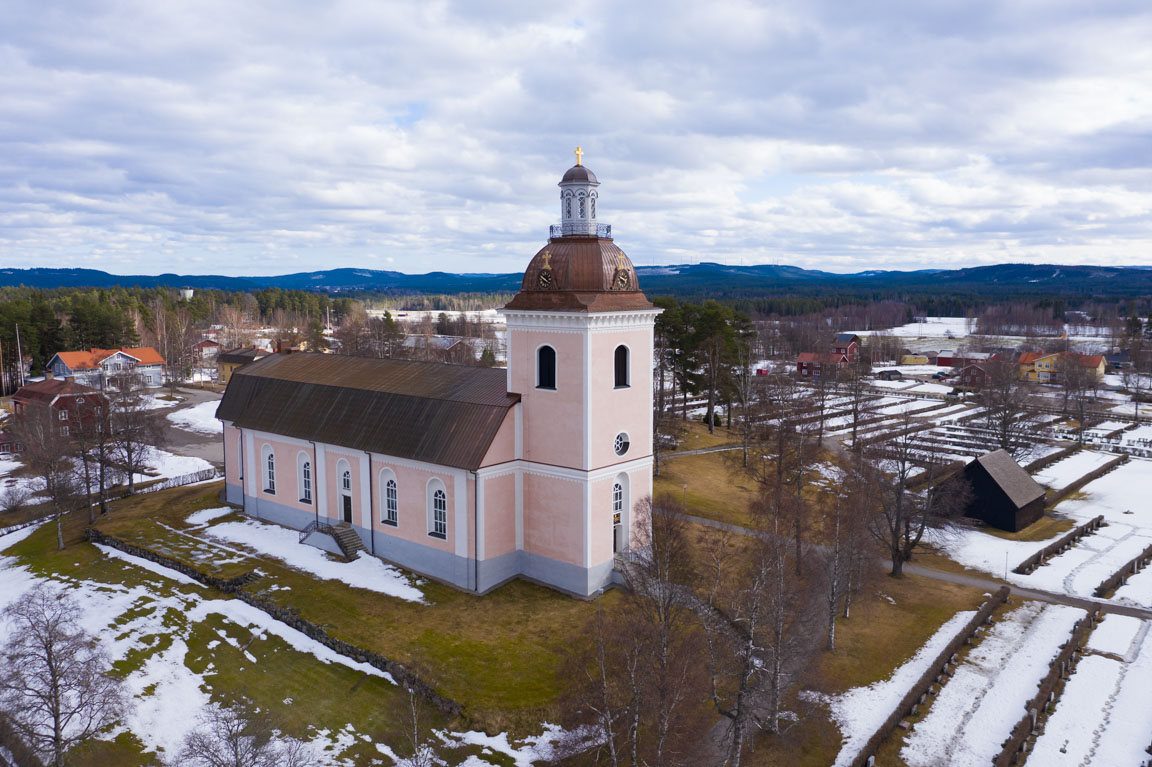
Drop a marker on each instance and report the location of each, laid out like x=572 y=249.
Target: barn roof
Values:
x=424 y=411
x=1016 y=483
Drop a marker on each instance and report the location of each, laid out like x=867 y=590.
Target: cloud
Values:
x=258 y=137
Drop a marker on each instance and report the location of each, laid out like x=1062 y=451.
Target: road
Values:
x=183 y=442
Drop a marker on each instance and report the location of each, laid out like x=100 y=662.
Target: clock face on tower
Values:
x=545 y=279
x=622 y=279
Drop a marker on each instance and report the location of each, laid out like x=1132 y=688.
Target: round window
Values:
x=621 y=444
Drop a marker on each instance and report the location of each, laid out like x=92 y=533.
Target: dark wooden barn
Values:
x=1003 y=494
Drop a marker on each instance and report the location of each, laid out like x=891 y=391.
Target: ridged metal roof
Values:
x=1016 y=483
x=424 y=411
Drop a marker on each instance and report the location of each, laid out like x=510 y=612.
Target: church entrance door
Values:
x=346 y=503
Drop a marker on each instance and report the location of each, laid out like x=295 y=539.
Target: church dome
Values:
x=579 y=174
x=580 y=273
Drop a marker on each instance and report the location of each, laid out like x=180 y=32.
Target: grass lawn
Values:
x=498 y=655
x=305 y=694
x=718 y=487
x=878 y=638
x=1042 y=529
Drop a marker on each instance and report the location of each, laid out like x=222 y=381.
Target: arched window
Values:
x=344 y=470
x=581 y=206
x=617 y=515
x=546 y=368
x=305 y=478
x=389 y=498
x=593 y=204
x=621 y=365
x=438 y=509
x=269 y=461
x=391 y=506
x=568 y=205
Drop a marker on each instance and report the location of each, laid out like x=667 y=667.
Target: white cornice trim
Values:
x=526 y=319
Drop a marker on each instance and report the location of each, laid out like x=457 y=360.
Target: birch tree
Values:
x=54 y=683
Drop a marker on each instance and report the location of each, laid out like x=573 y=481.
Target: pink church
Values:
x=469 y=475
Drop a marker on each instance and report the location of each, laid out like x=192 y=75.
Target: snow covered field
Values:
x=859 y=712
x=367 y=572
x=940 y=327
x=166 y=695
x=1066 y=471
x=198 y=418
x=1120 y=496
x=1138 y=589
x=163 y=465
x=976 y=710
x=1102 y=717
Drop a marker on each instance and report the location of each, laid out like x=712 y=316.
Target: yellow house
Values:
x=914 y=359
x=227 y=362
x=1044 y=367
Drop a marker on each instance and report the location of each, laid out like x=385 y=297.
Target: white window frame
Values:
x=305 y=477
x=389 y=502
x=437 y=509
x=268 y=468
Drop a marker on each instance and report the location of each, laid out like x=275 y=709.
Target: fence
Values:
x=1057 y=547
x=1138 y=563
x=1047 y=460
x=1055 y=496
x=1017 y=743
x=940 y=666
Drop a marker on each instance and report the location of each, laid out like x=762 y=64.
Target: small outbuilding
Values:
x=1003 y=494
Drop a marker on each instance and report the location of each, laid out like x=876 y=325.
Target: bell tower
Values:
x=580 y=340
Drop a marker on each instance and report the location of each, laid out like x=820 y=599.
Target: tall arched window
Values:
x=344 y=497
x=617 y=515
x=593 y=204
x=391 y=504
x=568 y=205
x=269 y=470
x=581 y=206
x=621 y=365
x=305 y=478
x=438 y=510
x=546 y=368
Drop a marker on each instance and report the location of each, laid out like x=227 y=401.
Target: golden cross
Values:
x=620 y=262
x=579 y=155
x=547 y=256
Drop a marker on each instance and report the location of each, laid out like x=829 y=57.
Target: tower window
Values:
x=568 y=206
x=621 y=364
x=593 y=204
x=546 y=368
x=581 y=206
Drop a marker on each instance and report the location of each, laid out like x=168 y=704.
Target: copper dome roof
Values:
x=580 y=273
x=579 y=173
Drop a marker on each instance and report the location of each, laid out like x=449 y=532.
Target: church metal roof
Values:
x=424 y=411
x=583 y=274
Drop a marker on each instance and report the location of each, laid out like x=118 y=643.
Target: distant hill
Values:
x=690 y=280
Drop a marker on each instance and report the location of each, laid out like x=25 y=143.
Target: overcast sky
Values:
x=216 y=136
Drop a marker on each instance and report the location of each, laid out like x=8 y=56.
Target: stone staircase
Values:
x=347 y=539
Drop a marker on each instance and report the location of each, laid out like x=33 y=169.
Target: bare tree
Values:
x=134 y=426
x=1008 y=413
x=48 y=454
x=756 y=621
x=54 y=684
x=843 y=553
x=1079 y=385
x=240 y=736
x=639 y=679
x=853 y=383
x=902 y=515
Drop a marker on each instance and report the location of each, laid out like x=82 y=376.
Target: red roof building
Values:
x=69 y=401
x=95 y=366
